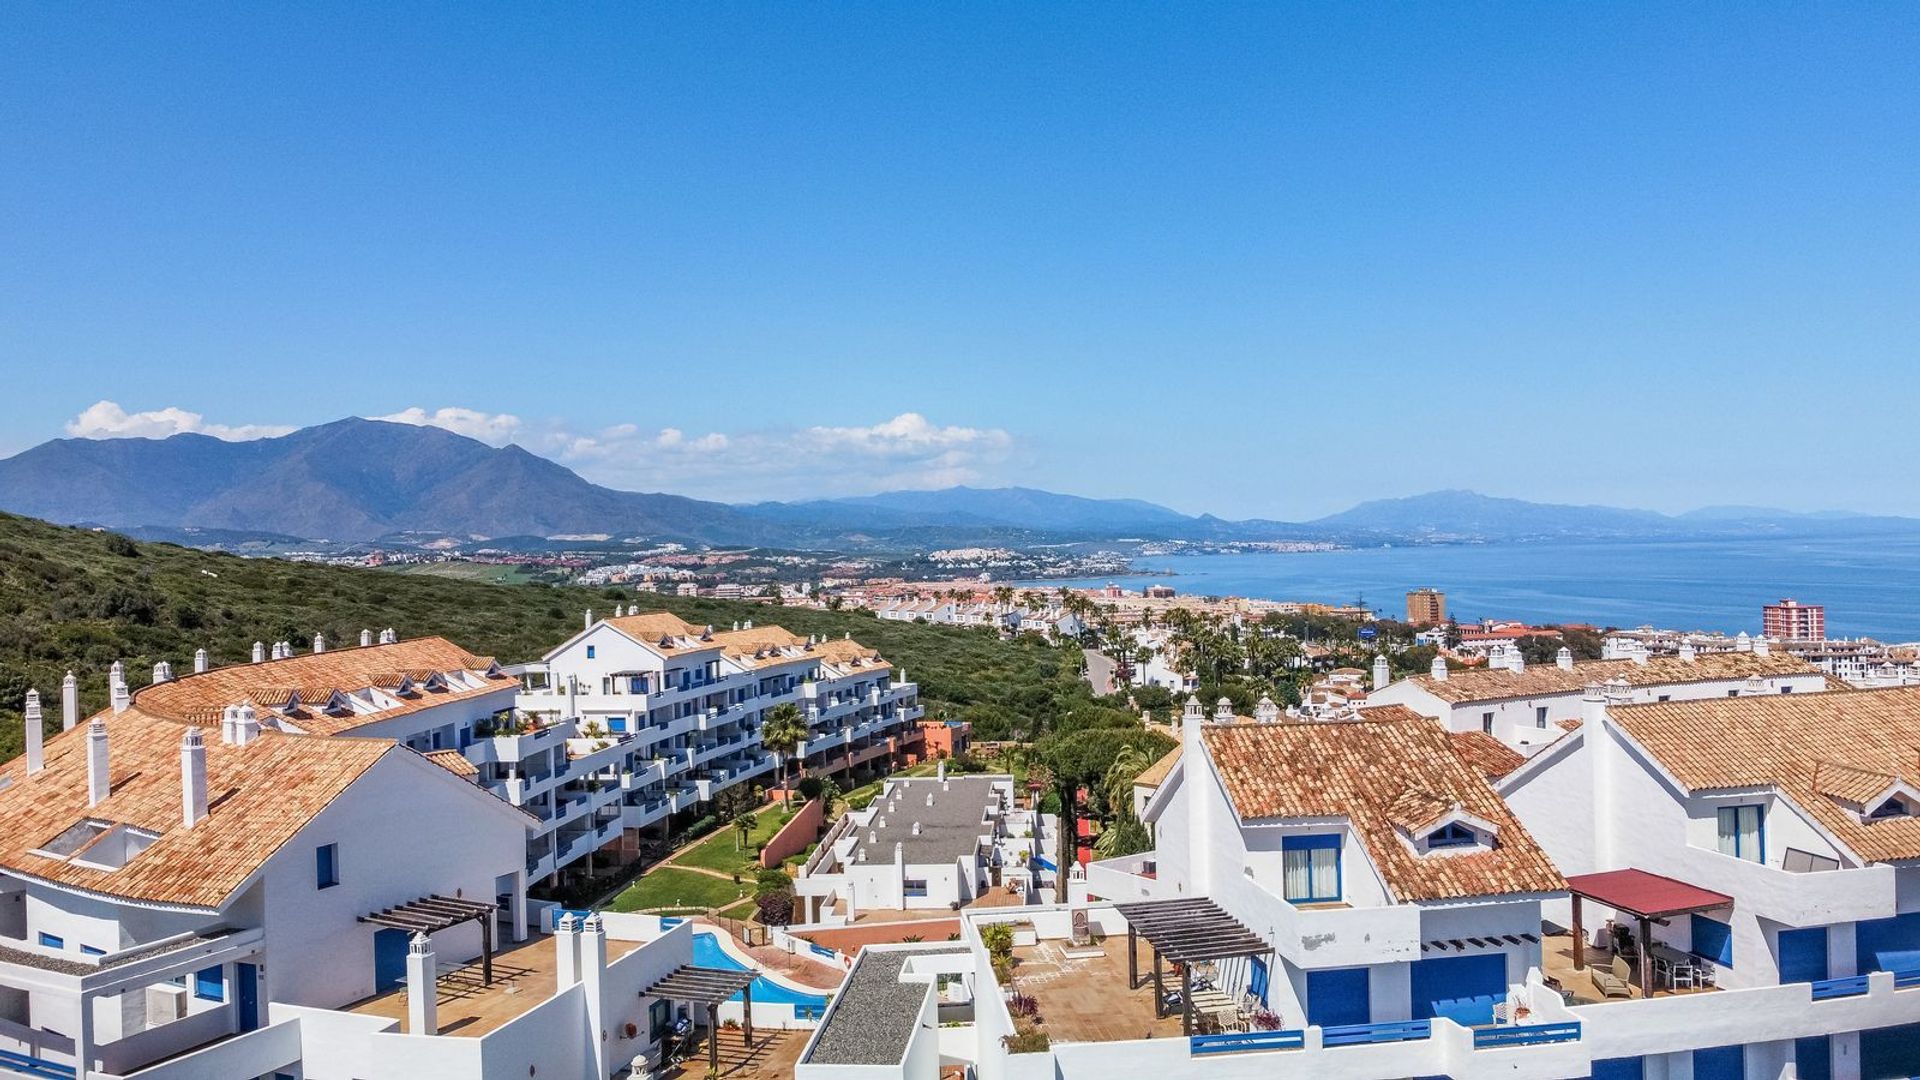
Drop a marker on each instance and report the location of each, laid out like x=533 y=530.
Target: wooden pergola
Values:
x=1187 y=931
x=434 y=913
x=709 y=987
x=1646 y=897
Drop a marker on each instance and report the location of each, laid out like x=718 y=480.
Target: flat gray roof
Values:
x=872 y=1017
x=950 y=828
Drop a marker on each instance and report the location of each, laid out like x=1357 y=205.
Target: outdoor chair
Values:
x=1611 y=981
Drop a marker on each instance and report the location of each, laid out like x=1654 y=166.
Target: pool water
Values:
x=707 y=952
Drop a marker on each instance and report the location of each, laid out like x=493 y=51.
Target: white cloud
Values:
x=909 y=435
x=107 y=420
x=497 y=429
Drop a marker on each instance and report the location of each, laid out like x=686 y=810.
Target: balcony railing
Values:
x=1246 y=1042
x=1532 y=1035
x=1357 y=1034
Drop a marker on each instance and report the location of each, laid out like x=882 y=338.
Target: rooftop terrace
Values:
x=522 y=978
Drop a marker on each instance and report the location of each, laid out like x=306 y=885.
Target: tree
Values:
x=783 y=729
x=743 y=824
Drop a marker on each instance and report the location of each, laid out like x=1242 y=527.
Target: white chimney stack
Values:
x=1516 y=663
x=1563 y=659
x=1223 y=711
x=389 y=636
x=1439 y=671
x=193 y=778
x=1762 y=646
x=566 y=955
x=1593 y=709
x=940 y=770
x=1743 y=643
x=200 y=661
x=246 y=726
x=259 y=652
x=36 y=734
x=119 y=699
x=162 y=672
x=98 y=784
x=117 y=673
x=1687 y=652
x=1266 y=711
x=587 y=624
x=366 y=638
x=422 y=995
x=1381 y=673
x=319 y=643
x=69 y=702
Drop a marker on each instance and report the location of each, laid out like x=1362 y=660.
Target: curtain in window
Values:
x=1750 y=833
x=1297 y=867
x=1326 y=873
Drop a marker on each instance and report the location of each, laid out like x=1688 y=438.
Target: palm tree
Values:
x=783 y=729
x=743 y=824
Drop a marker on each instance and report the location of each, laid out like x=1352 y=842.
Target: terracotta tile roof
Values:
x=849 y=655
x=1823 y=751
x=259 y=796
x=313 y=677
x=1156 y=774
x=1492 y=757
x=762 y=646
x=1371 y=771
x=1541 y=680
x=454 y=762
x=654 y=627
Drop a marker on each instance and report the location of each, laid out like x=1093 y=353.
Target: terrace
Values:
x=1081 y=992
x=523 y=977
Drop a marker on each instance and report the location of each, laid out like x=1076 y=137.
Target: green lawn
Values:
x=721 y=851
x=745 y=909
x=664 y=887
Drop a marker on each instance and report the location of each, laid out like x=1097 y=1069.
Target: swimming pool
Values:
x=708 y=952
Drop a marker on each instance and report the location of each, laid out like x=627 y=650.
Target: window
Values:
x=914 y=886
x=326 y=865
x=210 y=984
x=1742 y=833
x=1540 y=716
x=88 y=950
x=1486 y=722
x=1786 y=689
x=1713 y=940
x=51 y=941
x=1892 y=808
x=1733 y=693
x=1666 y=697
x=589 y=652
x=659 y=1020
x=1455 y=835
x=1310 y=868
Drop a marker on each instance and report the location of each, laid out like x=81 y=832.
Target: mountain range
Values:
x=360 y=481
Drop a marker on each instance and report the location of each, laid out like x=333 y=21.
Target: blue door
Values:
x=389 y=959
x=1463 y=989
x=1627 y=1068
x=1337 y=997
x=1720 y=1063
x=1257 y=979
x=1813 y=1057
x=246 y=995
x=1888 y=944
x=1803 y=955
x=1890 y=1052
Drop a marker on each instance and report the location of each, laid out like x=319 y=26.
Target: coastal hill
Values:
x=357 y=481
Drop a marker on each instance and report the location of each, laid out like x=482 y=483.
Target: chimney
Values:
x=1266 y=711
x=422 y=995
x=200 y=661
x=69 y=702
x=246 y=727
x=916 y=828
x=388 y=636
x=319 y=643
x=1687 y=652
x=119 y=697
x=117 y=673
x=1516 y=663
x=588 y=623
x=259 y=653
x=1563 y=659
x=193 y=778
x=1593 y=708
x=36 y=734
x=1223 y=711
x=593 y=973
x=98 y=785
x=366 y=638
x=1382 y=675
x=1439 y=671
x=1641 y=653
x=162 y=672
x=566 y=945
x=940 y=770
x=1191 y=714
x=1743 y=643
x=1762 y=647
x=226 y=723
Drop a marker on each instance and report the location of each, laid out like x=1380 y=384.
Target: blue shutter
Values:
x=1257 y=980
x=1339 y=996
x=1713 y=940
x=1803 y=955
x=210 y=984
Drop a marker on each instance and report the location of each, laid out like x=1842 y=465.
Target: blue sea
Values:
x=1870 y=586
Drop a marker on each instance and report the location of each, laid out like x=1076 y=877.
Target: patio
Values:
x=523 y=977
x=1625 y=958
x=1083 y=997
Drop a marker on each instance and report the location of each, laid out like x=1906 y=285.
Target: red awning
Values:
x=1652 y=896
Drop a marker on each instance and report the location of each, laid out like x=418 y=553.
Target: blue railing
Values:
x=1245 y=1042
x=822 y=950
x=1355 y=1034
x=1526 y=1036
x=1850 y=986
x=1907 y=978
x=39 y=1068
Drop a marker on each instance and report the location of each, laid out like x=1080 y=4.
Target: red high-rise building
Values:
x=1791 y=620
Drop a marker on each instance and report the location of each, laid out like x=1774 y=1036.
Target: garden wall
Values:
x=795 y=835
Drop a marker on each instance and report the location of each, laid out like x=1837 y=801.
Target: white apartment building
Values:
x=162 y=880
x=934 y=843
x=647 y=714
x=1524 y=705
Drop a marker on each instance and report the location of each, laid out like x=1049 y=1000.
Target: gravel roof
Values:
x=950 y=829
x=874 y=1013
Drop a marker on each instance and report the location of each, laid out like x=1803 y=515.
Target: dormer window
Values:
x=1310 y=869
x=1452 y=836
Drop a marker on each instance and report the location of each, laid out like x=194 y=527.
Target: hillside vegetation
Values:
x=79 y=599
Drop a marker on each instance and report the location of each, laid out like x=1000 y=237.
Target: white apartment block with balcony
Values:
x=932 y=843
x=644 y=715
x=162 y=880
x=1524 y=705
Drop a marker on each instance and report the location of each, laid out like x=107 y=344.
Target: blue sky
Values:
x=1257 y=260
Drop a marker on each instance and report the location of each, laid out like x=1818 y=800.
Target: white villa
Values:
x=1524 y=705
x=936 y=842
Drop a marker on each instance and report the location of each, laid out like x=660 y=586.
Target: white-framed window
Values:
x=1743 y=833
